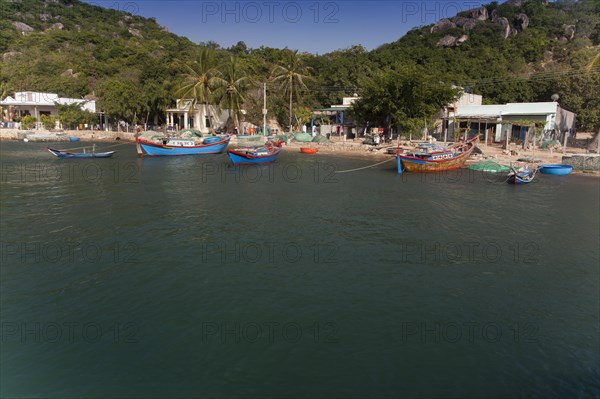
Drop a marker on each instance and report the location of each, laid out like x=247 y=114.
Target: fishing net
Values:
x=320 y=139
x=303 y=137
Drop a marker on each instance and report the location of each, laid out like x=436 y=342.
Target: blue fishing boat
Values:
x=93 y=154
x=250 y=155
x=556 y=169
x=522 y=176
x=177 y=146
x=74 y=139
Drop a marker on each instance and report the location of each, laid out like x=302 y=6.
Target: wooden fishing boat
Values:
x=177 y=146
x=433 y=158
x=556 y=169
x=309 y=150
x=519 y=177
x=253 y=155
x=93 y=154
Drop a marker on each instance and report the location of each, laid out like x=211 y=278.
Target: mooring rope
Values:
x=365 y=167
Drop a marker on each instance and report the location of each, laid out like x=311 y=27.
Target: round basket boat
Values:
x=556 y=169
x=74 y=139
x=308 y=150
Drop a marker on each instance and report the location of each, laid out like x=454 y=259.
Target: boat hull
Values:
x=147 y=148
x=62 y=154
x=240 y=158
x=556 y=169
x=307 y=150
x=520 y=178
x=436 y=162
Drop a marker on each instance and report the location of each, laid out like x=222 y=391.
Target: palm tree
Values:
x=230 y=89
x=291 y=77
x=199 y=80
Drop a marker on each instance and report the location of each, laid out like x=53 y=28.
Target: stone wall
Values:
x=583 y=162
x=45 y=135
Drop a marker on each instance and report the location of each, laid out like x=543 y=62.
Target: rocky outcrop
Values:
x=570 y=31
x=521 y=22
x=494 y=16
x=56 y=26
x=461 y=40
x=10 y=55
x=480 y=14
x=68 y=73
x=470 y=24
x=506 y=28
x=452 y=41
x=22 y=28
x=442 y=25
x=135 y=32
x=45 y=17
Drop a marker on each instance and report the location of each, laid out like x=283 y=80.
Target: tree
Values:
x=71 y=115
x=290 y=75
x=199 y=79
x=121 y=98
x=403 y=97
x=231 y=89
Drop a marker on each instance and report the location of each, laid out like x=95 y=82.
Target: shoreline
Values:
x=345 y=148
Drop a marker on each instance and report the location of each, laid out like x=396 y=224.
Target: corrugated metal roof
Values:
x=495 y=110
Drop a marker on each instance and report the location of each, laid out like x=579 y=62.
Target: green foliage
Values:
x=71 y=115
x=404 y=97
x=28 y=121
x=127 y=60
x=48 y=121
x=121 y=98
x=290 y=75
x=231 y=87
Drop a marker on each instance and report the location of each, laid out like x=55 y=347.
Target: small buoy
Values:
x=26 y=140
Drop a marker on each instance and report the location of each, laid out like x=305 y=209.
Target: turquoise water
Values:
x=186 y=277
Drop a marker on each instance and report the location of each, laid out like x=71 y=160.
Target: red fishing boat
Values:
x=430 y=158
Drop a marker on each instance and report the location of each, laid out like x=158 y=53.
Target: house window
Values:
x=207 y=122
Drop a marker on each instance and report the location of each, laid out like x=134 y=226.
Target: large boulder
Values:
x=506 y=28
x=442 y=25
x=447 y=41
x=10 y=55
x=521 y=22
x=470 y=24
x=135 y=32
x=480 y=14
x=22 y=27
x=570 y=31
x=56 y=26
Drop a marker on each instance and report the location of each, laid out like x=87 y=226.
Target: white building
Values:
x=200 y=116
x=512 y=119
x=37 y=104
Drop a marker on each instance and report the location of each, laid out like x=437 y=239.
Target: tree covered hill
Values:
x=516 y=51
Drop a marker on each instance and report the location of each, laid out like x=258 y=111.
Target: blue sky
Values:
x=312 y=26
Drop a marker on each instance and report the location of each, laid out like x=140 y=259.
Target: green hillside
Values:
x=131 y=64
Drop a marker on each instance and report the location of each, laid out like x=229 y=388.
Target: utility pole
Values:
x=264 y=111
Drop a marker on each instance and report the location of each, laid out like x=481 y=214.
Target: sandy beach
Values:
x=349 y=148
